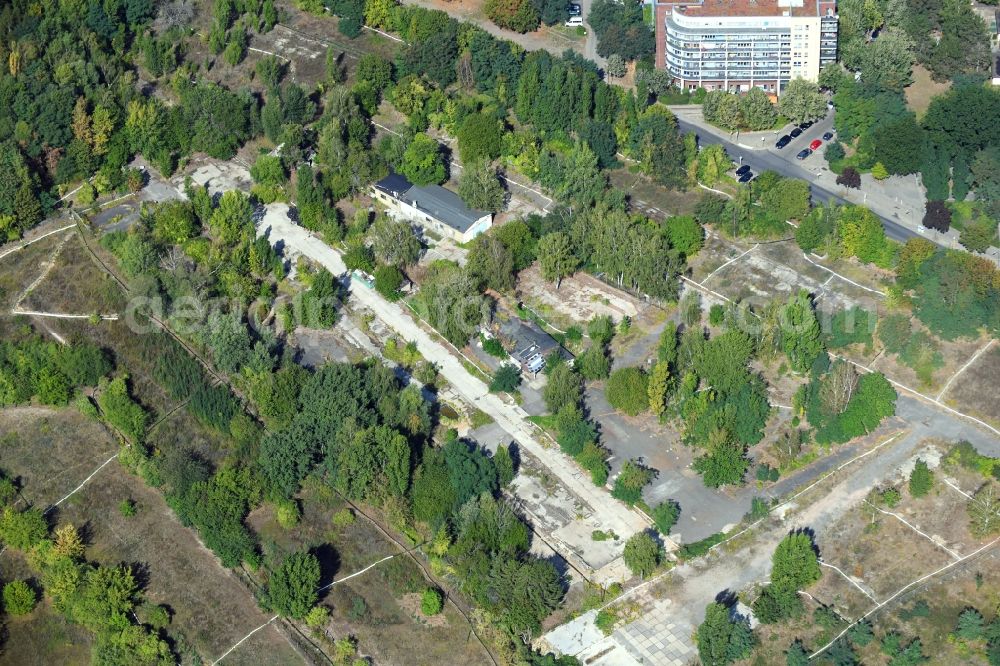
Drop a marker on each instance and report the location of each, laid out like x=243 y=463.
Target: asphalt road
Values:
x=764 y=160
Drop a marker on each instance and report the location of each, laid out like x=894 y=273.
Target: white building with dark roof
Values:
x=434 y=208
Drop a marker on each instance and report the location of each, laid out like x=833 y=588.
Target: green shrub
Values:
x=431 y=602
x=18 y=598
x=343 y=518
x=127 y=508
x=665 y=516
x=506 y=379
x=627 y=390
x=698 y=548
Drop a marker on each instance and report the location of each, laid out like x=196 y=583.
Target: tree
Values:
x=801 y=100
x=665 y=516
x=18 y=598
x=291 y=588
x=480 y=188
x=984 y=510
x=616 y=66
x=795 y=564
x=479 y=138
x=713 y=163
x=800 y=332
x=517 y=15
x=970 y=625
x=937 y=216
x=756 y=110
x=921 y=479
x=797 y=655
x=725 y=463
x=388 y=281
x=22 y=530
x=563 y=388
x=849 y=177
x=887 y=61
x=879 y=172
x=788 y=200
x=594 y=363
x=721 y=640
x=503 y=460
x=556 y=258
x=394 y=241
x=627 y=390
x=601 y=329
x=506 y=379
x=641 y=554
x=630 y=481
x=659 y=387
x=899 y=146
x=490 y=263
x=422 y=161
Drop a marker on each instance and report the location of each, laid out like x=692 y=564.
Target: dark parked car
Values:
x=795 y=132
x=827 y=136
x=783 y=141
x=746 y=177
x=742 y=170
x=575 y=9
x=807 y=124
x=804 y=153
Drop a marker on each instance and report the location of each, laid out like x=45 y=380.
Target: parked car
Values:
x=746 y=176
x=816 y=143
x=827 y=136
x=742 y=170
x=807 y=124
x=795 y=132
x=804 y=153
x=575 y=9
x=574 y=22
x=782 y=142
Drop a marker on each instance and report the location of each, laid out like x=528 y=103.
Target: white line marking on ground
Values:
x=899 y=592
x=845 y=279
x=848 y=579
x=82 y=484
x=917 y=530
x=734 y=259
x=964 y=367
x=35 y=240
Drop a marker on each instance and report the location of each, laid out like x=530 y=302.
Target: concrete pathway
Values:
x=613 y=514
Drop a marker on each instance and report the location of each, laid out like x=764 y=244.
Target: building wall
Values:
x=735 y=53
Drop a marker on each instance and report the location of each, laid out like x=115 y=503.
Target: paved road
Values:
x=786 y=164
x=613 y=514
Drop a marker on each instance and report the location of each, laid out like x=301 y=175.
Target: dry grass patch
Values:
x=923 y=89
x=975 y=391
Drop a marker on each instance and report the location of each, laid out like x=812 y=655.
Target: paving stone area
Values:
x=659 y=639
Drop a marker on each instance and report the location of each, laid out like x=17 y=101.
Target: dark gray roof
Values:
x=444 y=205
x=394 y=184
x=527 y=339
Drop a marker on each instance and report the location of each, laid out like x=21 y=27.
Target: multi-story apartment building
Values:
x=737 y=44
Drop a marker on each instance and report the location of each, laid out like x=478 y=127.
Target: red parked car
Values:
x=815 y=144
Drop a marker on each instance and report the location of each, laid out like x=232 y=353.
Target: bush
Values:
x=493 y=347
x=665 y=516
x=601 y=329
x=627 y=390
x=698 y=548
x=287 y=513
x=127 y=508
x=716 y=315
x=18 y=598
x=291 y=590
x=630 y=481
x=641 y=554
x=431 y=602
x=343 y=518
x=594 y=363
x=388 y=280
x=921 y=479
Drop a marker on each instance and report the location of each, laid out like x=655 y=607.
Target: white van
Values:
x=574 y=21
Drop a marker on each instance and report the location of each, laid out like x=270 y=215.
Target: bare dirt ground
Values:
x=579 y=299
x=975 y=390
x=76 y=285
x=651 y=199
x=923 y=89
x=73 y=446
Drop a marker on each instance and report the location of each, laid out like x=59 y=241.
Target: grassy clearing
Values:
x=923 y=89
